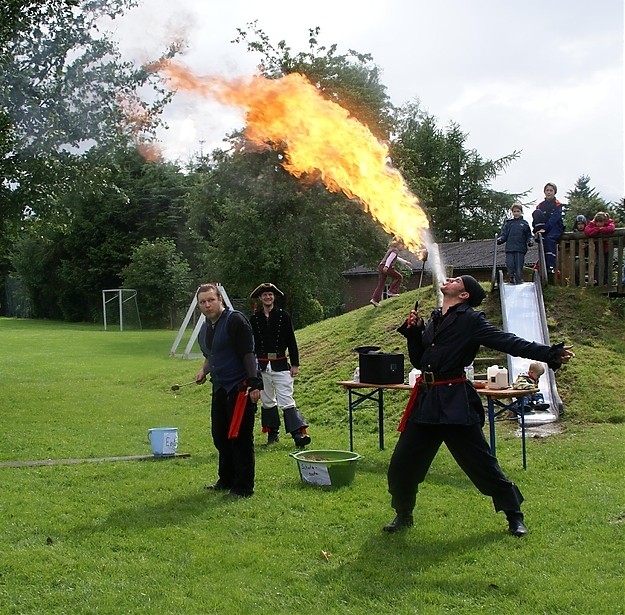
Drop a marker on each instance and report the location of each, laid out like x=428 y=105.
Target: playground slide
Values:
x=523 y=313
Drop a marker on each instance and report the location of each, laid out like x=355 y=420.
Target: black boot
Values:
x=515 y=524
x=401 y=522
x=300 y=439
x=270 y=420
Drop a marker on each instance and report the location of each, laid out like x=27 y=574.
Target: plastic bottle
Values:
x=356 y=377
x=470 y=372
x=413 y=375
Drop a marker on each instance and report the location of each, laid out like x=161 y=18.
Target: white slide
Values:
x=523 y=314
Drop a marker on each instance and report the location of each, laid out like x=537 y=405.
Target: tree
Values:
x=584 y=200
x=161 y=277
x=351 y=79
x=63 y=89
x=258 y=219
x=452 y=182
x=262 y=224
x=85 y=250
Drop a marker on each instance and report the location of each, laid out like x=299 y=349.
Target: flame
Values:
x=319 y=140
x=136 y=118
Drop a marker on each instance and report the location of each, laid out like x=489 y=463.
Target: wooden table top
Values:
x=350 y=384
x=494 y=393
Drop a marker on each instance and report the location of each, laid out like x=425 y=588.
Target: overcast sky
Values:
x=544 y=77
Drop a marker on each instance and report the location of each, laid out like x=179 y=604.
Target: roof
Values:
x=473 y=254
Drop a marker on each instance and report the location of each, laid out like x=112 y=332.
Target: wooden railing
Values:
x=580 y=261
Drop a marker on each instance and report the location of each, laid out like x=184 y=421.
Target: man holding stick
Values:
x=444 y=406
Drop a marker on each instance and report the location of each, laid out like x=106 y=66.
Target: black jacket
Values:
x=445 y=346
x=273 y=336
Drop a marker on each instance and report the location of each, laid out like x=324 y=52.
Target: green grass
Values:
x=142 y=536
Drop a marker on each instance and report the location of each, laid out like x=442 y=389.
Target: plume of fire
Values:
x=136 y=119
x=319 y=140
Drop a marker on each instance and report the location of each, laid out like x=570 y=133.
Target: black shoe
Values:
x=516 y=526
x=301 y=440
x=272 y=438
x=218 y=486
x=237 y=495
x=400 y=522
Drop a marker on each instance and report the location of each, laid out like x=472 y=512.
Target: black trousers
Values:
x=236 y=455
x=416 y=448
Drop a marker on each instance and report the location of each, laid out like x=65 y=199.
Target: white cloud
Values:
x=542 y=77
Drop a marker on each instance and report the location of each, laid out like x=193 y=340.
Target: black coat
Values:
x=447 y=348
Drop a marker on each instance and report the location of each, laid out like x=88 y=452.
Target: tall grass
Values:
x=143 y=536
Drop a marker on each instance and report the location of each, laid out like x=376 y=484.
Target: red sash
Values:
x=415 y=393
x=237 y=415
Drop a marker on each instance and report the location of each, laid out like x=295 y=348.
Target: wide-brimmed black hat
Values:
x=266 y=287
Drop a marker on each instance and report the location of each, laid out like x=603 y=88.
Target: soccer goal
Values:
x=119 y=306
x=191 y=313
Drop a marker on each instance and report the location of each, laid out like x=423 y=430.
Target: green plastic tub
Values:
x=327 y=468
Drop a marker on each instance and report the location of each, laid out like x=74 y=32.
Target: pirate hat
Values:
x=266 y=287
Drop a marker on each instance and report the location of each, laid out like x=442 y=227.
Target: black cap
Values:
x=476 y=292
x=266 y=287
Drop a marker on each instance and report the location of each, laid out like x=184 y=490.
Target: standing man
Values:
x=273 y=336
x=444 y=406
x=227 y=344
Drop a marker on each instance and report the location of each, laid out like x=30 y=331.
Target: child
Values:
x=529 y=380
x=517 y=236
x=601 y=225
x=547 y=221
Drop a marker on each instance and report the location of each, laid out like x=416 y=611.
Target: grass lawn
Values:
x=130 y=537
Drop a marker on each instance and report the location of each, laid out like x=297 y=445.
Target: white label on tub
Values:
x=315 y=473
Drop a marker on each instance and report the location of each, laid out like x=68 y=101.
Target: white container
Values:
x=497 y=377
x=413 y=375
x=356 y=377
x=163 y=440
x=470 y=372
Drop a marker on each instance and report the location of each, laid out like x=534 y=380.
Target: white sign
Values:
x=315 y=473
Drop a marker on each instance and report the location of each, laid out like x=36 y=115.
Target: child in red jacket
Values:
x=601 y=225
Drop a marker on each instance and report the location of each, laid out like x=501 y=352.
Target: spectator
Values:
x=535 y=402
x=386 y=269
x=517 y=236
x=547 y=223
x=601 y=225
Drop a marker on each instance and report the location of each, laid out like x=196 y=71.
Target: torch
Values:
x=422 y=256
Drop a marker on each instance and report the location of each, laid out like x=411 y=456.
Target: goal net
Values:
x=120 y=309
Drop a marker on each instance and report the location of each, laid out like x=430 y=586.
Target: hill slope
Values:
x=589 y=385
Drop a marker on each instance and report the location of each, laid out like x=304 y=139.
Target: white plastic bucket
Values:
x=164 y=440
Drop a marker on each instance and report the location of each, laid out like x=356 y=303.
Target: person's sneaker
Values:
x=272 y=438
x=400 y=522
x=541 y=407
x=392 y=295
x=374 y=303
x=301 y=439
